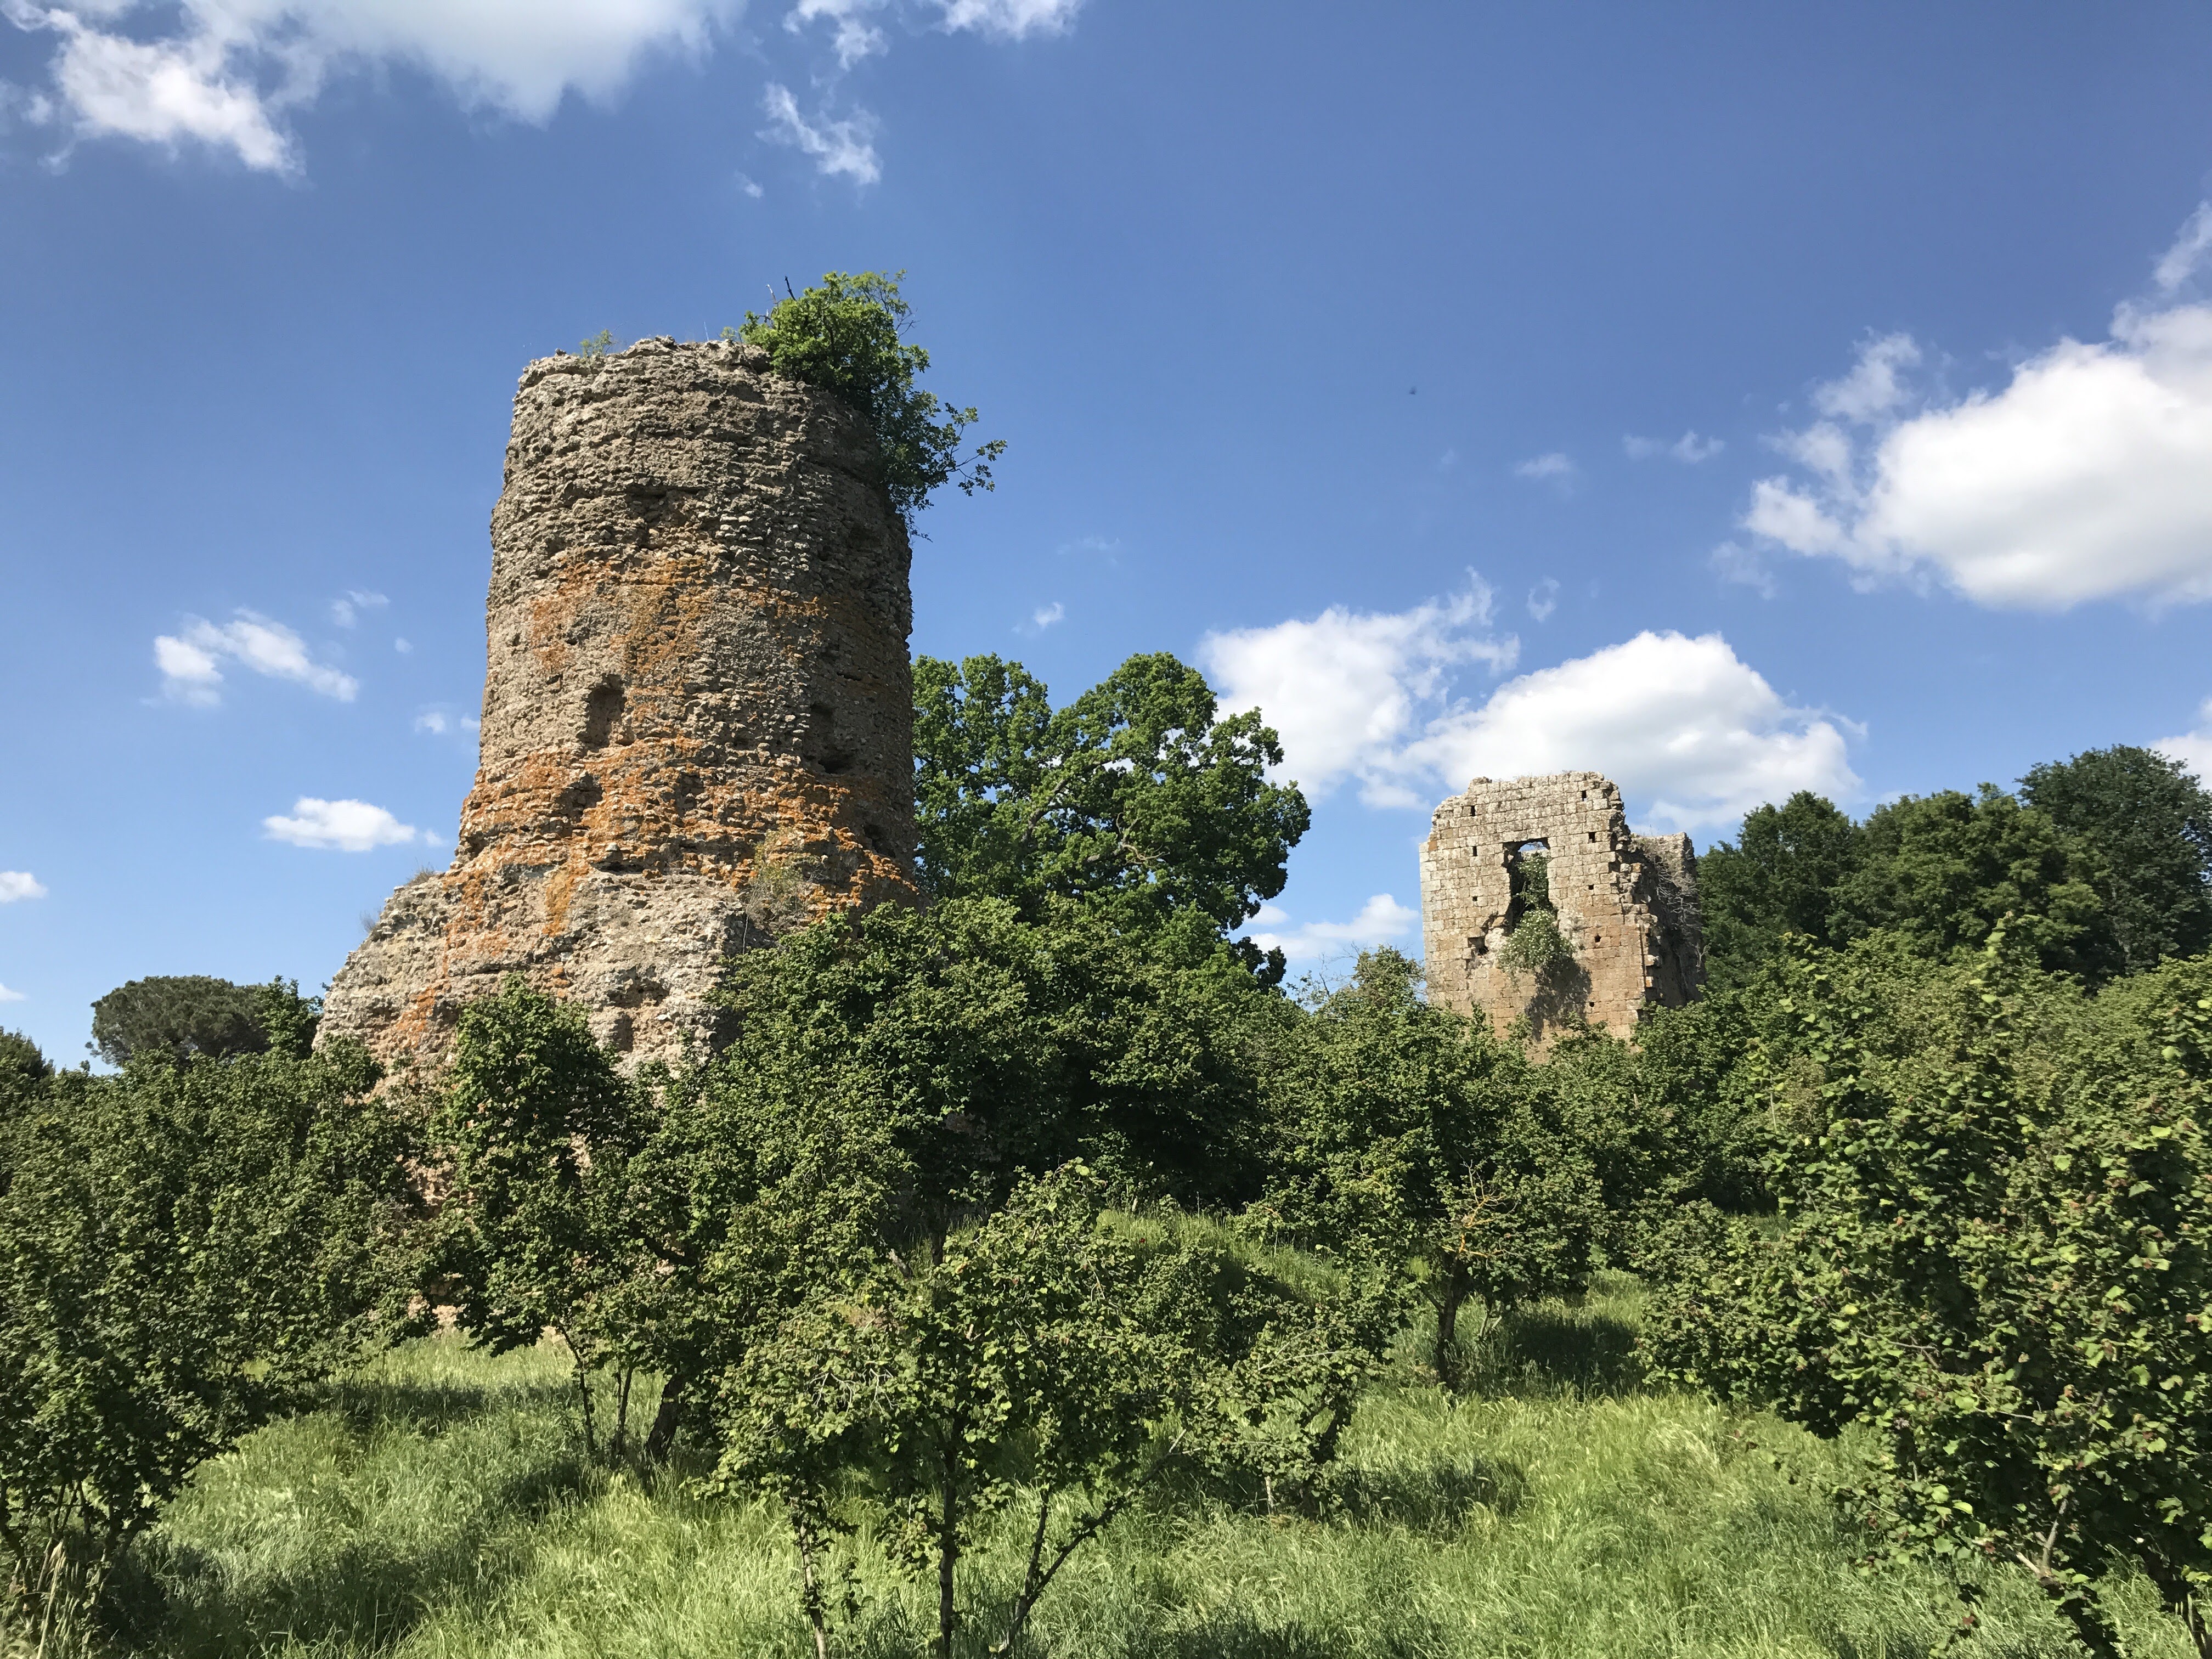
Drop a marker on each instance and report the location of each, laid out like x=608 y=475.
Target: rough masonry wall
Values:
x=698 y=707
x=1626 y=903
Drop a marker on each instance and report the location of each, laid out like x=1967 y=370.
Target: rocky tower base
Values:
x=698 y=709
x=1626 y=904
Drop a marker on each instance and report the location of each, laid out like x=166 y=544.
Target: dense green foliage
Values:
x=1780 y=877
x=2152 y=821
x=176 y=1017
x=1996 y=1263
x=1135 y=798
x=185 y=1251
x=1045 y=1356
x=537 y=1128
x=1943 y=872
x=846 y=336
x=1012 y=1234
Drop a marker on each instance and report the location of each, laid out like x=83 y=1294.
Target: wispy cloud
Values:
x=346 y=610
x=1045 y=616
x=2186 y=257
x=7 y=995
x=18 y=885
x=838 y=147
x=1381 y=921
x=348 y=826
x=1544 y=599
x=440 y=721
x=1552 y=467
x=1689 y=449
x=191 y=660
x=854 y=37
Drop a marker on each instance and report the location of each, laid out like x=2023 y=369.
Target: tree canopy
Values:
x=1779 y=877
x=2152 y=821
x=1138 y=798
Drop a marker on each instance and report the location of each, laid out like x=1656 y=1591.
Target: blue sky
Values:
x=1730 y=398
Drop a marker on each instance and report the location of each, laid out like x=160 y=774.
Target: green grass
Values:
x=440 y=1506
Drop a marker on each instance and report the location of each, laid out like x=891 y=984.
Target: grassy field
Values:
x=440 y=1506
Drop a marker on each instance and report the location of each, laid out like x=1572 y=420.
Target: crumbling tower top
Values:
x=1626 y=905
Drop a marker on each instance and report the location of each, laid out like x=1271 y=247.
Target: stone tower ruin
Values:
x=697 y=712
x=1626 y=904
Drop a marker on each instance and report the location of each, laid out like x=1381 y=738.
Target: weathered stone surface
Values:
x=1626 y=903
x=698 y=708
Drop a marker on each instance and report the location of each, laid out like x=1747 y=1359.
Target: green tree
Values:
x=1943 y=872
x=537 y=1126
x=997 y=1045
x=846 y=336
x=1137 y=797
x=1048 y=1353
x=1995 y=1269
x=1018 y=1358
x=1780 y=877
x=1405 y=1135
x=177 y=1016
x=185 y=1251
x=2152 y=821
x=23 y=1068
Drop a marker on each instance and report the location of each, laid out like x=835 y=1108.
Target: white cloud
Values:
x=1381 y=919
x=1045 y=616
x=20 y=885
x=1689 y=449
x=1010 y=20
x=1682 y=724
x=227 y=71
x=2181 y=262
x=2192 y=749
x=191 y=661
x=1875 y=385
x=855 y=37
x=438 y=722
x=837 y=146
x=1733 y=562
x=7 y=995
x=402 y=646
x=1348 y=690
x=350 y=826
x=346 y=611
x=1544 y=599
x=1553 y=467
x=2088 y=476
x=746 y=183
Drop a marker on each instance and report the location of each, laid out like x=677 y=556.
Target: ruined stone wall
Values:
x=698 y=707
x=1628 y=904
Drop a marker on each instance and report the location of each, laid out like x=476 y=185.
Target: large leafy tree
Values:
x=2152 y=820
x=1779 y=877
x=1943 y=872
x=846 y=336
x=1138 y=798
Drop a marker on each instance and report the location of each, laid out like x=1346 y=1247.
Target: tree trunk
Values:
x=948 y=1554
x=1448 y=1307
x=661 y=1440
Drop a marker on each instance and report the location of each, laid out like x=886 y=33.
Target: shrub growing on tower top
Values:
x=844 y=336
